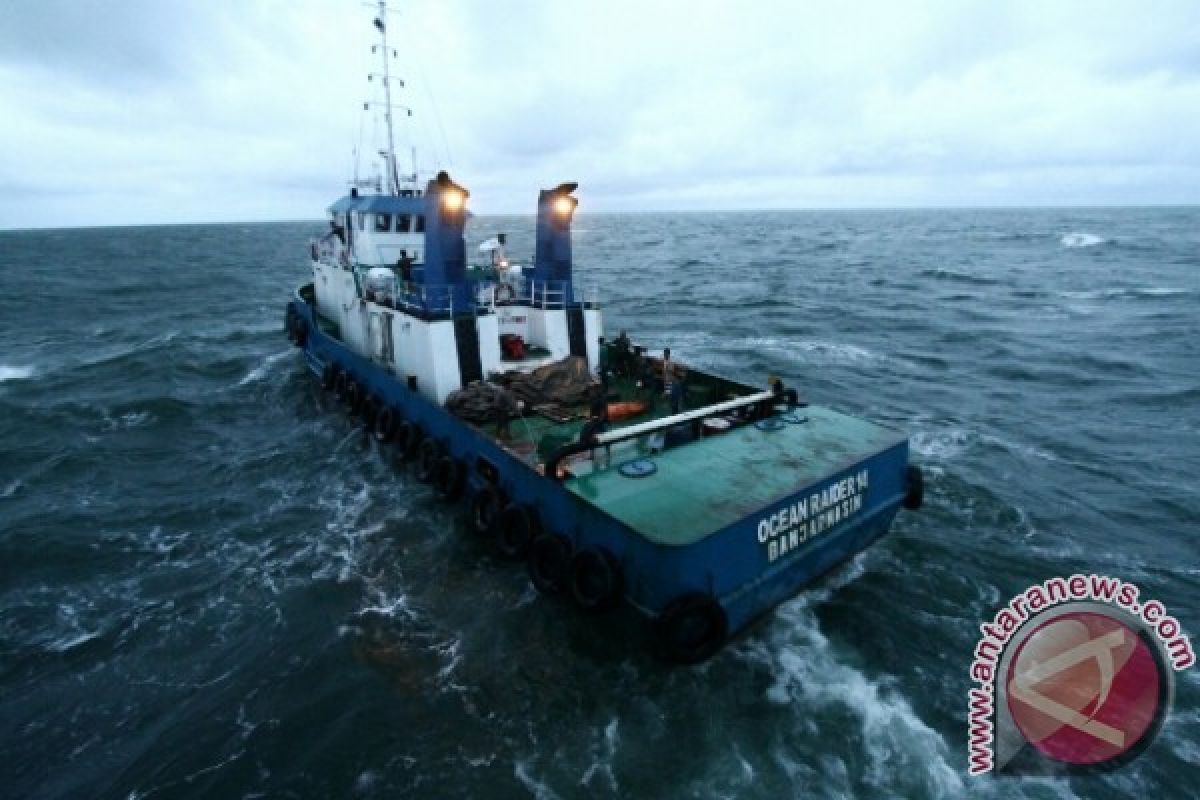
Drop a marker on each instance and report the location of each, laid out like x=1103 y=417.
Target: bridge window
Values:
x=403 y=223
x=383 y=223
x=420 y=223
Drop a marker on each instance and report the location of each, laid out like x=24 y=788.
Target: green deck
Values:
x=712 y=483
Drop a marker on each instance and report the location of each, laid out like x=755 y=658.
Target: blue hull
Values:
x=732 y=566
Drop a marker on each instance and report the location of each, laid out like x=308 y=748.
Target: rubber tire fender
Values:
x=289 y=323
x=300 y=331
x=691 y=628
x=429 y=453
x=370 y=411
x=385 y=424
x=486 y=503
x=355 y=397
x=515 y=527
x=450 y=478
x=408 y=438
x=329 y=375
x=596 y=581
x=914 y=483
x=549 y=562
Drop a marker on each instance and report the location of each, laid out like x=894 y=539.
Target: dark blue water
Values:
x=211 y=585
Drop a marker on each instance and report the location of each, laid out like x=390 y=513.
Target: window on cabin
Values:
x=420 y=223
x=362 y=220
x=383 y=223
x=403 y=223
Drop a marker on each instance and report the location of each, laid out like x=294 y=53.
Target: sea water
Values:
x=213 y=585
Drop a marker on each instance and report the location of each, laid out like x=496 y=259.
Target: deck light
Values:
x=452 y=200
x=564 y=205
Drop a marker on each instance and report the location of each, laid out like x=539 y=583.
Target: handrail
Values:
x=629 y=432
x=632 y=431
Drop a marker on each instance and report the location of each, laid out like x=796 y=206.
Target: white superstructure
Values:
x=391 y=278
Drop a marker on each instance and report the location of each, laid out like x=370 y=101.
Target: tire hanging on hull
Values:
x=596 y=580
x=516 y=526
x=428 y=455
x=450 y=478
x=550 y=563
x=692 y=628
x=486 y=503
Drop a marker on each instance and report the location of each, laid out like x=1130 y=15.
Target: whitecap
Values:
x=1081 y=240
x=261 y=371
x=9 y=373
x=601 y=765
x=1020 y=448
x=942 y=445
x=535 y=787
x=809 y=676
x=71 y=642
x=811 y=351
x=128 y=420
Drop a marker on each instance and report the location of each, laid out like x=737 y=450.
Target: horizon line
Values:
x=634 y=212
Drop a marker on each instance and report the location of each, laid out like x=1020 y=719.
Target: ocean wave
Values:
x=1123 y=292
x=958 y=277
x=810 y=678
x=1081 y=240
x=11 y=373
x=263 y=368
x=945 y=444
x=811 y=351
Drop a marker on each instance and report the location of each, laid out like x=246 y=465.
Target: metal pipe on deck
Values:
x=629 y=432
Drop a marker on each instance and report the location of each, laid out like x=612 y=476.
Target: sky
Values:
x=164 y=111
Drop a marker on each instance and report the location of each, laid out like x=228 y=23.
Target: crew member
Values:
x=622 y=355
x=499 y=259
x=596 y=424
x=404 y=266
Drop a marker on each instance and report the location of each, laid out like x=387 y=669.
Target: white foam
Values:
x=943 y=445
x=71 y=642
x=811 y=351
x=262 y=370
x=1081 y=240
x=538 y=789
x=1019 y=447
x=602 y=763
x=809 y=676
x=10 y=373
x=1160 y=291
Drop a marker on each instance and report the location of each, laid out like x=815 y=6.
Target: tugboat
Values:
x=620 y=477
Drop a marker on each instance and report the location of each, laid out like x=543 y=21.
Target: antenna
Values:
x=387 y=154
x=390 y=156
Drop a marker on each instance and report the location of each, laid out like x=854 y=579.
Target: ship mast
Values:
x=393 y=172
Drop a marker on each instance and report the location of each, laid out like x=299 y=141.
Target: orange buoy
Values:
x=620 y=411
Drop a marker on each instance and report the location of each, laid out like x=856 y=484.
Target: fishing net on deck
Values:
x=481 y=403
x=567 y=383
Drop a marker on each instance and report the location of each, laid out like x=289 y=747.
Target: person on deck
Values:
x=596 y=424
x=404 y=266
x=622 y=355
